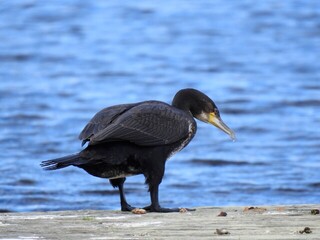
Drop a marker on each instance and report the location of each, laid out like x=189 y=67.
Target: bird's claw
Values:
x=166 y=210
x=127 y=208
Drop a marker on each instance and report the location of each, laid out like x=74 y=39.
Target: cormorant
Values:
x=138 y=138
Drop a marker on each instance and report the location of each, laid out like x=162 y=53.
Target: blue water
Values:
x=62 y=61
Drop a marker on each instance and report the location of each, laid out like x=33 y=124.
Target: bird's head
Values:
x=201 y=107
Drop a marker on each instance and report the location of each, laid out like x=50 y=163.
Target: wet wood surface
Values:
x=251 y=222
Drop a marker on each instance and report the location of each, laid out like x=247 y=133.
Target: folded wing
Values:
x=147 y=124
x=102 y=119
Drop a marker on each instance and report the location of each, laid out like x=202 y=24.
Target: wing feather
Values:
x=102 y=119
x=147 y=124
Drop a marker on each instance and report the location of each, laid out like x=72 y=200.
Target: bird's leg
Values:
x=118 y=182
x=154 y=175
x=154 y=171
x=155 y=206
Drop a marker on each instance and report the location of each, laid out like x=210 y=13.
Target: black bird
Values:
x=138 y=138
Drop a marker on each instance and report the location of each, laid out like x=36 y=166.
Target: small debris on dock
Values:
x=183 y=210
x=139 y=211
x=222 y=231
x=315 y=211
x=255 y=209
x=222 y=214
x=306 y=230
x=280 y=209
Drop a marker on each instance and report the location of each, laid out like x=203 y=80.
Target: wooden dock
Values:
x=263 y=222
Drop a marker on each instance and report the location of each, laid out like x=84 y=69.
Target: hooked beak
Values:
x=217 y=121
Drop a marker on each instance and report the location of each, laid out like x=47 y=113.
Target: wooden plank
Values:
x=268 y=222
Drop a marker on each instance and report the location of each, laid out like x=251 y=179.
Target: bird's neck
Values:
x=182 y=106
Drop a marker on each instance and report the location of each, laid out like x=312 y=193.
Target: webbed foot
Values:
x=166 y=210
x=126 y=207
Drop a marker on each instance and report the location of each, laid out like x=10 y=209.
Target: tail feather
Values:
x=62 y=162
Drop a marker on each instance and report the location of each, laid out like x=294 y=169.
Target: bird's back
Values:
x=148 y=123
x=102 y=119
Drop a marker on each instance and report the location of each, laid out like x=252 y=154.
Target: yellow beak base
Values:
x=217 y=121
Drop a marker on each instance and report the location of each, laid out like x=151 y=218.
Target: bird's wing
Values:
x=147 y=124
x=102 y=119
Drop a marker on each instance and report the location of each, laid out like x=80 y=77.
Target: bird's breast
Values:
x=192 y=128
